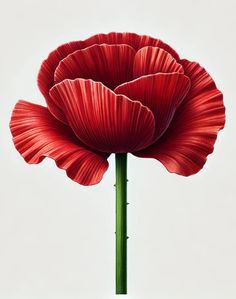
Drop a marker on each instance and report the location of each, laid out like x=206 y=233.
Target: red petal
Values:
x=46 y=72
x=132 y=39
x=200 y=79
x=110 y=64
x=151 y=60
x=162 y=93
x=190 y=138
x=103 y=120
x=37 y=134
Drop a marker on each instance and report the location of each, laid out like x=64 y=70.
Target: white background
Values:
x=57 y=237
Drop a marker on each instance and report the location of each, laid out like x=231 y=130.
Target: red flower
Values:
x=115 y=93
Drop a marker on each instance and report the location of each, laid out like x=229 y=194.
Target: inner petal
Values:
x=151 y=60
x=110 y=64
x=161 y=93
x=101 y=119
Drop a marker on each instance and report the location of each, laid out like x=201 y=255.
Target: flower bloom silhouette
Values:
x=119 y=93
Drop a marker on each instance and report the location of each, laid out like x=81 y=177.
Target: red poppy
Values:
x=119 y=93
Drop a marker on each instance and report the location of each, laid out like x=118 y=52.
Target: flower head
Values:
x=119 y=93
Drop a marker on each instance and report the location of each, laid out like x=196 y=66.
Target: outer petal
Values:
x=46 y=72
x=134 y=40
x=151 y=60
x=103 y=120
x=190 y=138
x=162 y=93
x=110 y=64
x=37 y=134
x=200 y=79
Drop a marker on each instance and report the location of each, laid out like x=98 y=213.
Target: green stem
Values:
x=121 y=224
